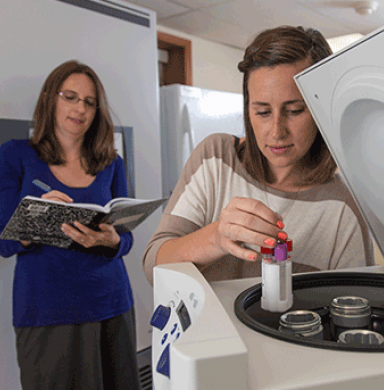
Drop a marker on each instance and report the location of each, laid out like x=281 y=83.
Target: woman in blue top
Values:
x=72 y=309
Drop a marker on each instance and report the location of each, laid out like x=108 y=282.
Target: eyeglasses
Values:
x=72 y=97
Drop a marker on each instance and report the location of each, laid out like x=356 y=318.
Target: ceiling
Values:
x=235 y=22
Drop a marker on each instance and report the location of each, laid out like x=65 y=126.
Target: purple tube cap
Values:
x=281 y=252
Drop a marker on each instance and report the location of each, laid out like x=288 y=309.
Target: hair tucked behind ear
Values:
x=278 y=46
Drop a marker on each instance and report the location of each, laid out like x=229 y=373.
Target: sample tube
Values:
x=277 y=278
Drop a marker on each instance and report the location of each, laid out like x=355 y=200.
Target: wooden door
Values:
x=177 y=68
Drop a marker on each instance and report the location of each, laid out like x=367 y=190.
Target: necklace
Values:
x=74 y=159
x=283 y=208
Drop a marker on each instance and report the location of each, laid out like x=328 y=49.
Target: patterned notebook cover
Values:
x=40 y=222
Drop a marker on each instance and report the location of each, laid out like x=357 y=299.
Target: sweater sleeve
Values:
x=186 y=210
x=11 y=176
x=119 y=190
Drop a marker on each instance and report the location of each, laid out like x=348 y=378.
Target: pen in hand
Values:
x=45 y=188
x=41 y=185
x=50 y=194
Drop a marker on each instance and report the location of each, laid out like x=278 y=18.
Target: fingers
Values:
x=238 y=250
x=57 y=196
x=111 y=234
x=89 y=238
x=254 y=207
x=107 y=228
x=240 y=247
x=249 y=221
x=256 y=233
x=78 y=235
x=82 y=234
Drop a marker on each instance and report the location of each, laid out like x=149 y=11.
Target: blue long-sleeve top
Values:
x=54 y=285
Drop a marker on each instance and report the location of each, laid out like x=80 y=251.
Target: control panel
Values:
x=192 y=334
x=170 y=319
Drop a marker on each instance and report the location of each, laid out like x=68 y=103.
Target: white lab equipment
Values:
x=188 y=115
x=211 y=355
x=274 y=359
x=345 y=94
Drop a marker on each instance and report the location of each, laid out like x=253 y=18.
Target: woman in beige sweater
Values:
x=235 y=195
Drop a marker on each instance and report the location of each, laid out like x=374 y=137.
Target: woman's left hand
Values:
x=89 y=238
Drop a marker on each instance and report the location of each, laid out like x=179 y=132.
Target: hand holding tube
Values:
x=248 y=221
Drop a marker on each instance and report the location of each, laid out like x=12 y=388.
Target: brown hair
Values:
x=278 y=46
x=98 y=146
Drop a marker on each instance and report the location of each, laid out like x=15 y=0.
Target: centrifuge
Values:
x=216 y=336
x=200 y=343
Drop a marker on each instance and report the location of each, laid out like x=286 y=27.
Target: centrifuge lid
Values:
x=345 y=94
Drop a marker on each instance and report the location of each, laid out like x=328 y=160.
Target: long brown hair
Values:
x=278 y=46
x=98 y=145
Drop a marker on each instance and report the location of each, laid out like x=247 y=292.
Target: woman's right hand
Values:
x=51 y=195
x=58 y=196
x=25 y=244
x=248 y=221
x=242 y=221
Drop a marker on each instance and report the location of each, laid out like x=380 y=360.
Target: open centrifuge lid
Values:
x=345 y=94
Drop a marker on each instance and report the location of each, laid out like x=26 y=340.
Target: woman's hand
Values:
x=58 y=196
x=88 y=238
x=51 y=195
x=242 y=221
x=248 y=221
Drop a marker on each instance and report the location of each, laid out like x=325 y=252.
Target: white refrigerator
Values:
x=119 y=41
x=188 y=115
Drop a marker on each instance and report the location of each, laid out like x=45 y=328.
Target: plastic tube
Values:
x=277 y=278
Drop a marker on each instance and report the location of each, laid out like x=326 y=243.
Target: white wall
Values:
x=37 y=36
x=214 y=66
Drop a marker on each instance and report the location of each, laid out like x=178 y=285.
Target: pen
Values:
x=41 y=185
